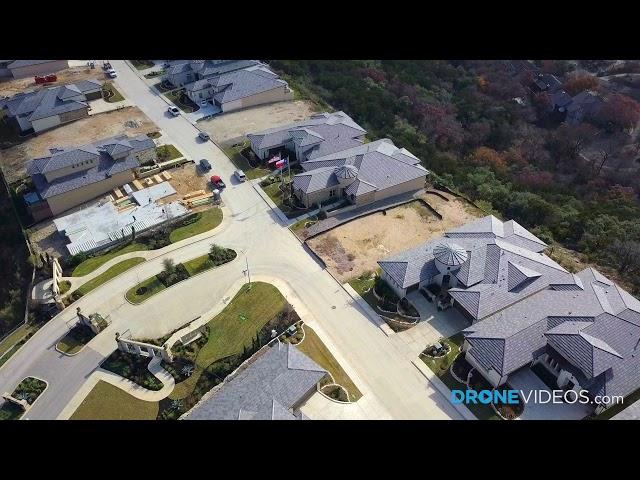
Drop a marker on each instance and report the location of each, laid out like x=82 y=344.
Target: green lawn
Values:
x=167 y=152
x=198 y=264
x=142 y=64
x=110 y=93
x=15 y=337
x=64 y=286
x=153 y=286
x=107 y=402
x=234 y=328
x=92 y=263
x=313 y=347
x=181 y=101
x=110 y=273
x=243 y=164
x=237 y=324
x=209 y=219
x=75 y=339
x=363 y=283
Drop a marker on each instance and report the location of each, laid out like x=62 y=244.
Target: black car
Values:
x=205 y=165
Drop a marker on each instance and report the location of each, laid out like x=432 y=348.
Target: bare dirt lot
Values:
x=187 y=178
x=10 y=87
x=351 y=249
x=76 y=133
x=232 y=127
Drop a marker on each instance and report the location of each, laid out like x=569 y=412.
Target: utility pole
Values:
x=247 y=272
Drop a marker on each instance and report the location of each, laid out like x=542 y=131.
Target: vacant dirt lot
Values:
x=354 y=248
x=76 y=133
x=187 y=178
x=10 y=87
x=232 y=127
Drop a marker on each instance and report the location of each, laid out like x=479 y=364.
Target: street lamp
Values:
x=247 y=273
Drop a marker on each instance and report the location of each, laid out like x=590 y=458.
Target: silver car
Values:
x=240 y=175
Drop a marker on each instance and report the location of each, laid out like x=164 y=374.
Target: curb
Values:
x=178 y=283
x=443 y=390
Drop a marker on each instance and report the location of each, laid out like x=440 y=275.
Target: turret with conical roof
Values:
x=346 y=174
x=449 y=257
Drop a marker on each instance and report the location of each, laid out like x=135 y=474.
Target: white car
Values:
x=174 y=111
x=112 y=73
x=240 y=175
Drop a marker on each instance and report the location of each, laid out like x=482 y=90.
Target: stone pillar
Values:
x=167 y=356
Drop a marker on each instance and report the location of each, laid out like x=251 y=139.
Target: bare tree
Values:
x=625 y=255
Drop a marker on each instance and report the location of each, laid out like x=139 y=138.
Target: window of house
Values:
x=332 y=193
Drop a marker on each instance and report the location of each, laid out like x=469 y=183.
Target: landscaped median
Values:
x=26 y=393
x=173 y=274
x=105 y=276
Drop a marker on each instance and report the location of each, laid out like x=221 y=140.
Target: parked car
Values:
x=112 y=73
x=174 y=111
x=205 y=165
x=240 y=175
x=204 y=136
x=216 y=181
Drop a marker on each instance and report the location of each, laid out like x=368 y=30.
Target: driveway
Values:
x=527 y=381
x=433 y=324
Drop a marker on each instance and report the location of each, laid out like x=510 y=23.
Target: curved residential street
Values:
x=381 y=367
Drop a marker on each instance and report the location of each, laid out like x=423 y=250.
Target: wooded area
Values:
x=14 y=266
x=482 y=130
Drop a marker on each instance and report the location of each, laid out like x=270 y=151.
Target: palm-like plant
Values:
x=168 y=265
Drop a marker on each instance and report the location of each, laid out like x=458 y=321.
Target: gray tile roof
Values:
x=50 y=101
x=380 y=165
x=209 y=68
x=102 y=167
x=523 y=304
x=267 y=389
x=595 y=329
x=244 y=83
x=338 y=130
x=492 y=227
x=28 y=63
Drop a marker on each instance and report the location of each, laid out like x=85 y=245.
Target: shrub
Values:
x=322 y=214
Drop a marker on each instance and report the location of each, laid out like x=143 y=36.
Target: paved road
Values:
x=381 y=368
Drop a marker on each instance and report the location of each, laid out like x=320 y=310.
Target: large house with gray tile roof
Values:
x=255 y=85
x=320 y=135
x=271 y=388
x=524 y=308
x=180 y=74
x=71 y=176
x=47 y=108
x=362 y=174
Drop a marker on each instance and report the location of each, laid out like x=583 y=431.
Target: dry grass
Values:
x=355 y=247
x=80 y=132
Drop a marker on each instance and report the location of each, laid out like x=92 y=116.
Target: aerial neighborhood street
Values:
x=208 y=243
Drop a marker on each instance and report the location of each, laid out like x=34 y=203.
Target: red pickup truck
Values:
x=40 y=79
x=217 y=181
